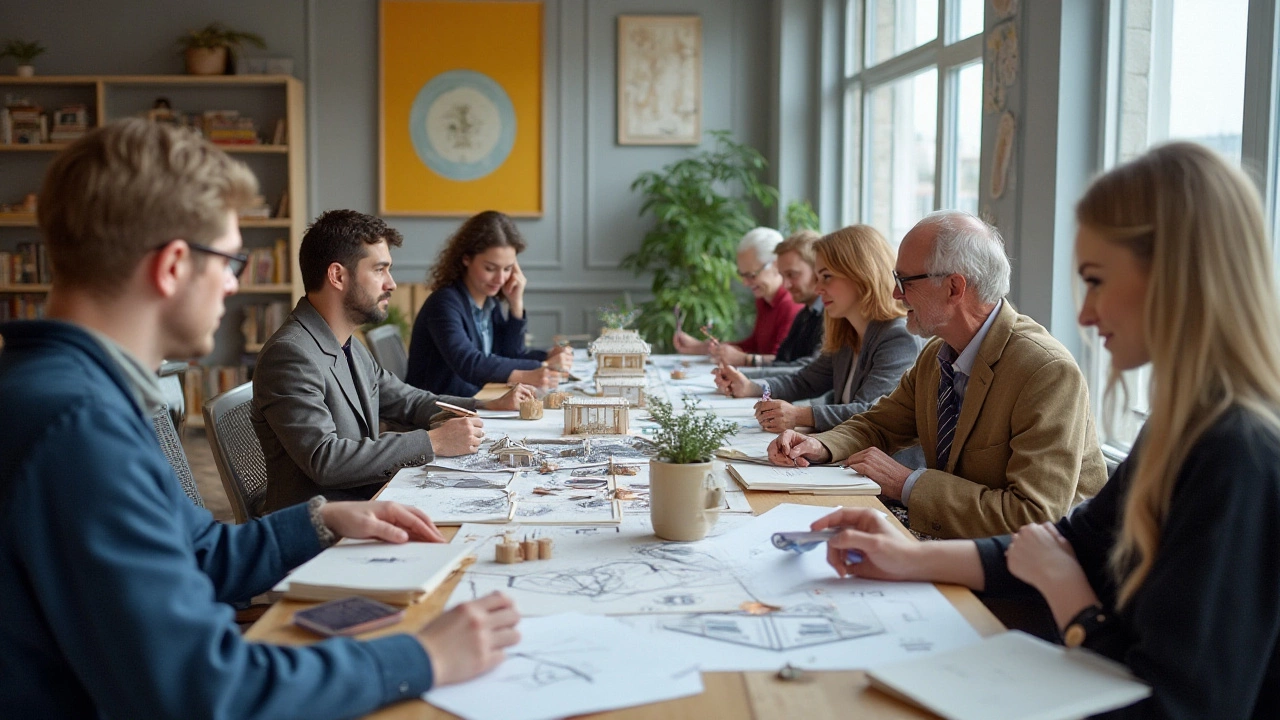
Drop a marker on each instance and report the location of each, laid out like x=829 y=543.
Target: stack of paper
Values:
x=1011 y=675
x=812 y=480
x=396 y=574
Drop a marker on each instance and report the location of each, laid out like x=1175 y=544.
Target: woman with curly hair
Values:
x=470 y=331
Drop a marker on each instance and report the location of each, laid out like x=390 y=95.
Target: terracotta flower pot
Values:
x=206 y=61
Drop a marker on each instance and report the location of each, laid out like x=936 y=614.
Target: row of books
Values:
x=261 y=322
x=268 y=265
x=26 y=124
x=25 y=306
x=205 y=382
x=26 y=264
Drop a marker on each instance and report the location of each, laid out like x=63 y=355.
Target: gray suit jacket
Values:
x=319 y=426
x=887 y=352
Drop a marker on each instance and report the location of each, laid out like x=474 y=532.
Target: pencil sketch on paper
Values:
x=659 y=80
x=456 y=506
x=789 y=629
x=563 y=453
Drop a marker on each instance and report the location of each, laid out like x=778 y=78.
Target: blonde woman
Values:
x=866 y=347
x=1174 y=567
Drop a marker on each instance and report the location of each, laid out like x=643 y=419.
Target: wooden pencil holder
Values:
x=531 y=410
x=554 y=400
x=544 y=548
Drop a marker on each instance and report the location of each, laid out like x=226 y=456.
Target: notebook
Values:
x=1011 y=676
x=816 y=479
x=395 y=574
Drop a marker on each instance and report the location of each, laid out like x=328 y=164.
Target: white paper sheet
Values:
x=571 y=664
x=605 y=570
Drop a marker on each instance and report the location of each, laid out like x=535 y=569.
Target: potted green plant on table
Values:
x=207 y=50
x=702 y=205
x=684 y=498
x=614 y=318
x=24 y=53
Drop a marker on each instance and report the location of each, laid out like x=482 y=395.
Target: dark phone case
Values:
x=347 y=616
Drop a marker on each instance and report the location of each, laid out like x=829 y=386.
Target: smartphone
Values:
x=347 y=616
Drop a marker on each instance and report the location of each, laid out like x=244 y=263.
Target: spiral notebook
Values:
x=396 y=574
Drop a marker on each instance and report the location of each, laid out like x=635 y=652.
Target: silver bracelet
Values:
x=323 y=533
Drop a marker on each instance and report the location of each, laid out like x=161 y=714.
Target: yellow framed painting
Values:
x=460 y=108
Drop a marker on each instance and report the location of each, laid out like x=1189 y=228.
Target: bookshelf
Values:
x=280 y=168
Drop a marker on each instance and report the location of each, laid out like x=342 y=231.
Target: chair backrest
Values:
x=387 y=348
x=236 y=450
x=171 y=374
x=171 y=444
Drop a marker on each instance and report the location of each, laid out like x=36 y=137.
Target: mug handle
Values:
x=715 y=498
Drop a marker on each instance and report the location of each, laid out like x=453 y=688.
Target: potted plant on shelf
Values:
x=24 y=53
x=207 y=50
x=702 y=205
x=684 y=498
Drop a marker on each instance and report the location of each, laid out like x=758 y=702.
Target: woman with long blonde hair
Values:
x=1174 y=567
x=866 y=346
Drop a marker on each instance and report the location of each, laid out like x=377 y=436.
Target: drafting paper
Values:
x=571 y=664
x=605 y=570
x=565 y=498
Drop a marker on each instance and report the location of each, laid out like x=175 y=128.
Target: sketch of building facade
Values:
x=596 y=416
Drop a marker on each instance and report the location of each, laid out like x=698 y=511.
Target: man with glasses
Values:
x=775 y=309
x=115 y=586
x=999 y=406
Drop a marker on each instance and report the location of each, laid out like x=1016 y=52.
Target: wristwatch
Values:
x=1087 y=622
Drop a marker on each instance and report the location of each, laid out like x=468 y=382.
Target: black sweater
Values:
x=1204 y=628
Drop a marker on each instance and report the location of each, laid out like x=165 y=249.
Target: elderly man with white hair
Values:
x=999 y=406
x=775 y=309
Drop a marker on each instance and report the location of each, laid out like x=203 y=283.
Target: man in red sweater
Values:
x=775 y=309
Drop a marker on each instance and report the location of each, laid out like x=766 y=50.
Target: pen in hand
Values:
x=805 y=540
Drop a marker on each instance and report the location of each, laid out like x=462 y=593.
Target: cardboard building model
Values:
x=596 y=416
x=514 y=454
x=620 y=353
x=625 y=386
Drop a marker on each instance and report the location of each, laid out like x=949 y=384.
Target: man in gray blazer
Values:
x=318 y=394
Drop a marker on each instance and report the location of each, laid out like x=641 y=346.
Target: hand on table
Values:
x=726 y=354
x=545 y=378
x=791 y=449
x=887 y=554
x=778 y=415
x=379 y=520
x=459 y=436
x=511 y=399
x=888 y=473
x=469 y=640
x=731 y=382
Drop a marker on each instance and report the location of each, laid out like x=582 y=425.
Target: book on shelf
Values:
x=396 y=574
x=22 y=306
x=27 y=264
x=203 y=382
x=261 y=322
x=227 y=127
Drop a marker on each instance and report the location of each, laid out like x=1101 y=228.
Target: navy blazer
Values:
x=446 y=354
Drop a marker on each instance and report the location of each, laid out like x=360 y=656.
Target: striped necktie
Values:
x=948 y=411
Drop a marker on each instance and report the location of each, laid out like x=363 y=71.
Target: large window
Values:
x=913 y=110
x=1179 y=73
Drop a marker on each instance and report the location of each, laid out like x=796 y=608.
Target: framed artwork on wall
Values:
x=659 y=79
x=460 y=108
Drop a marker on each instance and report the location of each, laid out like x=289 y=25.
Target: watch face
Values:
x=1073 y=636
x=462 y=125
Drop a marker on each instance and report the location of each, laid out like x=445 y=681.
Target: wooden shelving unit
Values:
x=281 y=168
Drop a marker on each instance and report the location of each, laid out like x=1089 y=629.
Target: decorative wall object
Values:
x=659 y=79
x=1000 y=67
x=461 y=108
x=1003 y=154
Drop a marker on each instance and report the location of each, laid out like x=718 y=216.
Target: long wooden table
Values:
x=757 y=695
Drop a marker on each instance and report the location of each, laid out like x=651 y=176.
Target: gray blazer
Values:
x=887 y=352
x=319 y=426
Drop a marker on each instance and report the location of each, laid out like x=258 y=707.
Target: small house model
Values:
x=595 y=416
x=630 y=387
x=514 y=454
x=621 y=352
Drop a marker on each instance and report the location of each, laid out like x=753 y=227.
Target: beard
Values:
x=920 y=323
x=362 y=307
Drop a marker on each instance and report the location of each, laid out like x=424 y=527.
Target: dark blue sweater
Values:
x=113 y=584
x=445 y=351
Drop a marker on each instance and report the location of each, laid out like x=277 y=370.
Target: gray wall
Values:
x=590 y=216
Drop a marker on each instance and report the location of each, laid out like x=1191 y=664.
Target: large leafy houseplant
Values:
x=799 y=215
x=701 y=205
x=688 y=437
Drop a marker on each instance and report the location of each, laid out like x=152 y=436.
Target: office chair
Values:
x=236 y=450
x=171 y=444
x=387 y=347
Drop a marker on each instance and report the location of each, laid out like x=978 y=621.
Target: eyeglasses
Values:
x=902 y=281
x=750 y=276
x=235 y=263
